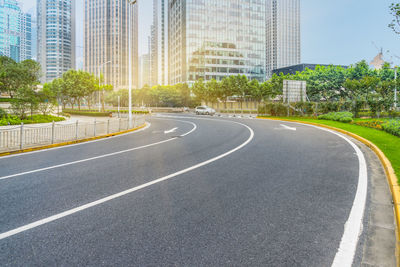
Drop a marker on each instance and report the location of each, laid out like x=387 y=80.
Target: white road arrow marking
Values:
x=171 y=131
x=288 y=128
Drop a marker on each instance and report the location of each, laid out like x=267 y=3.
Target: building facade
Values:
x=55 y=37
x=159 y=43
x=145 y=70
x=106 y=41
x=212 y=39
x=282 y=34
x=15 y=31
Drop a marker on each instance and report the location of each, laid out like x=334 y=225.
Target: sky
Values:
x=339 y=32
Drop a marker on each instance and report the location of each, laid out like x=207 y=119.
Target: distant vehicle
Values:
x=204 y=110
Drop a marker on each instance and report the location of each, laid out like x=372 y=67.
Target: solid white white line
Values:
x=97 y=157
x=148 y=124
x=288 y=128
x=123 y=193
x=353 y=227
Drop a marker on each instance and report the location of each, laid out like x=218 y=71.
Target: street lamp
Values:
x=100 y=80
x=132 y=3
x=395 y=88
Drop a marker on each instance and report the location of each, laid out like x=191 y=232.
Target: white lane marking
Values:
x=123 y=193
x=97 y=157
x=353 y=227
x=171 y=131
x=148 y=124
x=288 y=128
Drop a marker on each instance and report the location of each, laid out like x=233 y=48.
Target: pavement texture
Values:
x=281 y=200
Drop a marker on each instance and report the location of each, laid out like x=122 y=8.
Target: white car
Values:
x=204 y=110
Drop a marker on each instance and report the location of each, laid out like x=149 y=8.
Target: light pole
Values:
x=130 y=17
x=100 y=80
x=395 y=88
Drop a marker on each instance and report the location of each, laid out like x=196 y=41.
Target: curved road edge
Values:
x=387 y=166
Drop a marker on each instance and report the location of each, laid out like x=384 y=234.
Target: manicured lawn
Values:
x=389 y=144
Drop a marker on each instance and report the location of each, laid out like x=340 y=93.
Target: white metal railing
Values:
x=24 y=136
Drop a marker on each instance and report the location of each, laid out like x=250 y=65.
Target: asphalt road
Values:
x=207 y=192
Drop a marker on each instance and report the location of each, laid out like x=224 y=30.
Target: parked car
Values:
x=204 y=110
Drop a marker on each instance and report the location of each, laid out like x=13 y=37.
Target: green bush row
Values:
x=86 y=113
x=15 y=120
x=392 y=127
x=337 y=116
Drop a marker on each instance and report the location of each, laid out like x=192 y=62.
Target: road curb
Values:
x=390 y=174
x=69 y=142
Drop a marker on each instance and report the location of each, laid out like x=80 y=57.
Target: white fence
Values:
x=23 y=136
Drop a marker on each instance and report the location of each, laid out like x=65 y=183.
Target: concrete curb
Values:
x=390 y=174
x=70 y=142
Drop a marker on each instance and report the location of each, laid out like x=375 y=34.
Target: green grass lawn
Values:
x=389 y=144
x=14 y=120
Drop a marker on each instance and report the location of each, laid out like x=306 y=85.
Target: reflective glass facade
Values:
x=159 y=43
x=56 y=37
x=283 y=34
x=15 y=31
x=106 y=38
x=211 y=39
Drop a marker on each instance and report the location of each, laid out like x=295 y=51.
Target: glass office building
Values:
x=283 y=34
x=15 y=31
x=159 y=43
x=106 y=41
x=55 y=37
x=211 y=39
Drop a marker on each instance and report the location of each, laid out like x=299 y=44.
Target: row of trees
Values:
x=178 y=95
x=357 y=84
x=76 y=87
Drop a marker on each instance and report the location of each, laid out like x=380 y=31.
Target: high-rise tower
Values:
x=56 y=37
x=283 y=34
x=106 y=41
x=211 y=39
x=15 y=31
x=159 y=43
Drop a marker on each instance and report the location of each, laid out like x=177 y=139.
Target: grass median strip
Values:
x=388 y=143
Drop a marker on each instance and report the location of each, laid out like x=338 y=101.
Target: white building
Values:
x=106 y=39
x=282 y=34
x=159 y=43
x=55 y=37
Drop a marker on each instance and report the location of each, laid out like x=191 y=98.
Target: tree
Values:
x=395 y=12
x=199 y=89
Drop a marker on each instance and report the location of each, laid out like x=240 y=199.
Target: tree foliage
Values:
x=395 y=12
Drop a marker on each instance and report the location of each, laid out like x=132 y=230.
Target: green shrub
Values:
x=86 y=113
x=392 y=127
x=337 y=116
x=3 y=113
x=15 y=120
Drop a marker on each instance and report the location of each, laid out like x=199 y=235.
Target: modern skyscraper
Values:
x=283 y=34
x=144 y=70
x=106 y=41
x=213 y=39
x=56 y=37
x=159 y=43
x=32 y=12
x=15 y=31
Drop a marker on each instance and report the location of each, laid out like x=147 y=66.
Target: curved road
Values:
x=184 y=191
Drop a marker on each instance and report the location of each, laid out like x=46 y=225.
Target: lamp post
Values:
x=130 y=17
x=395 y=88
x=100 y=80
